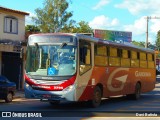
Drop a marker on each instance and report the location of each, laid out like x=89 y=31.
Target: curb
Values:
x=15 y=97
x=19 y=94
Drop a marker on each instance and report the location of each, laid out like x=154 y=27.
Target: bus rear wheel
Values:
x=97 y=95
x=137 y=92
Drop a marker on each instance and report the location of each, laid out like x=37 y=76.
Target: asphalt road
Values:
x=147 y=106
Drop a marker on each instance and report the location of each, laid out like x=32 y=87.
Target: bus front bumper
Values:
x=68 y=94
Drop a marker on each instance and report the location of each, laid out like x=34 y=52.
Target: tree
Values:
x=53 y=16
x=140 y=44
x=81 y=27
x=31 y=28
x=69 y=28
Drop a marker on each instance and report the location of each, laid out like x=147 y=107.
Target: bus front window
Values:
x=51 y=60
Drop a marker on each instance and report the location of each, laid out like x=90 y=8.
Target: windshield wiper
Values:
x=36 y=44
x=62 y=45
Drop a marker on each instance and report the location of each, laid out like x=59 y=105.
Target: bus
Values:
x=76 y=67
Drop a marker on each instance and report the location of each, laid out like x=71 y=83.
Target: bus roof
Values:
x=44 y=34
x=128 y=46
x=115 y=44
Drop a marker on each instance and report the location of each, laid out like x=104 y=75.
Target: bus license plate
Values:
x=46 y=96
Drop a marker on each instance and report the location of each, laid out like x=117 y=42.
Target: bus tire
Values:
x=137 y=92
x=97 y=95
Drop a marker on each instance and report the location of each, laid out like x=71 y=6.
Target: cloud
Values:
x=100 y=4
x=103 y=22
x=139 y=28
x=140 y=6
x=28 y=19
x=155 y=25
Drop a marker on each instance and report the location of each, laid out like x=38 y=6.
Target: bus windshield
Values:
x=51 y=59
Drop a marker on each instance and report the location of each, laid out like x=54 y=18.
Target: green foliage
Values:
x=81 y=27
x=140 y=44
x=69 y=28
x=31 y=28
x=53 y=16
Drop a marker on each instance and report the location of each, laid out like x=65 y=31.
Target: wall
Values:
x=21 y=27
x=13 y=37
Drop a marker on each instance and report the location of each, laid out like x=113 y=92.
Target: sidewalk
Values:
x=19 y=94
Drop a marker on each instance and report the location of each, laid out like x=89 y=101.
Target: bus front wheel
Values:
x=97 y=95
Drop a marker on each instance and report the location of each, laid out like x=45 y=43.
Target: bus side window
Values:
x=125 y=60
x=100 y=57
x=129 y=54
x=153 y=57
x=150 y=58
x=143 y=60
x=83 y=52
x=134 y=59
x=119 y=52
x=84 y=56
x=114 y=59
x=138 y=55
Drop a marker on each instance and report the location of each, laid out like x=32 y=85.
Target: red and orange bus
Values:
x=76 y=67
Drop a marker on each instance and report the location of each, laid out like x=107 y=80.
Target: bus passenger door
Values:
x=84 y=70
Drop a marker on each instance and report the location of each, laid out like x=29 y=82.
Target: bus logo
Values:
x=121 y=79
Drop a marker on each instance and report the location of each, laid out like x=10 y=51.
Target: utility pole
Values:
x=147 y=18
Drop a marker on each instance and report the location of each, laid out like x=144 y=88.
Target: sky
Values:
x=119 y=15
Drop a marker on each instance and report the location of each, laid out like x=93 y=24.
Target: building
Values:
x=12 y=34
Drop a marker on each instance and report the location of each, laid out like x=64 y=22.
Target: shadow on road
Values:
x=112 y=104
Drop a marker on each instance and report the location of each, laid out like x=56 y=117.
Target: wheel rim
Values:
x=138 y=91
x=9 y=97
x=97 y=97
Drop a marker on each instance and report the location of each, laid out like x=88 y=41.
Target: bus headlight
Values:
x=26 y=85
x=69 y=88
